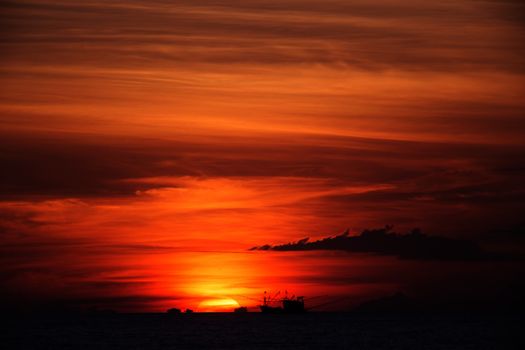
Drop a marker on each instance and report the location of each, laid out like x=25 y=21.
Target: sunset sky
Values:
x=146 y=145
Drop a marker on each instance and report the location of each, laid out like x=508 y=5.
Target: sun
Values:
x=218 y=305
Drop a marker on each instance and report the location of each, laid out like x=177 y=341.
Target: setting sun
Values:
x=218 y=305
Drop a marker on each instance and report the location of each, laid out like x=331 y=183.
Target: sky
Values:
x=146 y=145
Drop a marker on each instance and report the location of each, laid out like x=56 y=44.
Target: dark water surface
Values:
x=258 y=331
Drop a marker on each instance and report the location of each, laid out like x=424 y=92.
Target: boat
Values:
x=286 y=305
x=241 y=310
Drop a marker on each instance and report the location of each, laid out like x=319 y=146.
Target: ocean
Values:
x=260 y=331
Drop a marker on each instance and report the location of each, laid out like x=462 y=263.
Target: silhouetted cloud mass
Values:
x=413 y=245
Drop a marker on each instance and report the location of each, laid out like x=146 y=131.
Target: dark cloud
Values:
x=377 y=35
x=414 y=245
x=67 y=166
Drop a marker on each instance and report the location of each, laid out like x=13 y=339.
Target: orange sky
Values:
x=145 y=143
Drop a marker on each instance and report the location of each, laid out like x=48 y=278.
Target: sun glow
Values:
x=218 y=305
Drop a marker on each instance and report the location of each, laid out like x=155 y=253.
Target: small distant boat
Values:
x=173 y=311
x=287 y=305
x=241 y=310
